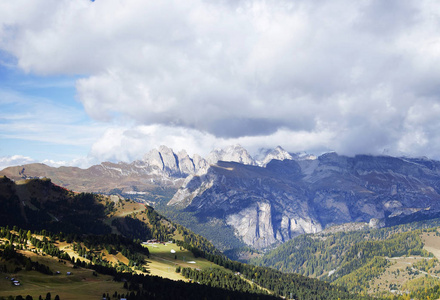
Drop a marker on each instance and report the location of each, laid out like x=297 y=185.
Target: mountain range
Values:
x=266 y=200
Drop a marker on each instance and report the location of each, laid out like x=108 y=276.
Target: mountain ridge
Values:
x=290 y=197
x=267 y=200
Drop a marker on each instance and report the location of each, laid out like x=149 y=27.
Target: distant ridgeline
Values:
x=43 y=220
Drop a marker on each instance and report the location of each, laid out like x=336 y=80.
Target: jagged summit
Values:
x=234 y=153
x=164 y=161
x=266 y=155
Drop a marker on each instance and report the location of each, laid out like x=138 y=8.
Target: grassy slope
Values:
x=163 y=263
x=81 y=284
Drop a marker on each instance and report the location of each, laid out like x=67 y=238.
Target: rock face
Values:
x=164 y=161
x=267 y=205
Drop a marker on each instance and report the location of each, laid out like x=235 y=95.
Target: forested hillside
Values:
x=359 y=258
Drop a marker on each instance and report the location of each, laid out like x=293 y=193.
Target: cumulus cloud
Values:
x=343 y=75
x=131 y=143
x=128 y=144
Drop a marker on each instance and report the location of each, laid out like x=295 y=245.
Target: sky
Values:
x=83 y=82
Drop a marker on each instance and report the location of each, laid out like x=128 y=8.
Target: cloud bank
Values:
x=349 y=76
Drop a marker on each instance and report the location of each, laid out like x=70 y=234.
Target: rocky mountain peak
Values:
x=164 y=161
x=154 y=159
x=266 y=155
x=201 y=165
x=186 y=164
x=234 y=153
x=169 y=158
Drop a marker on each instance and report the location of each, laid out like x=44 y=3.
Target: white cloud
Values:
x=81 y=162
x=353 y=76
x=128 y=144
x=14 y=160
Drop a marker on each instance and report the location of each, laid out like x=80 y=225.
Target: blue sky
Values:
x=83 y=82
x=40 y=117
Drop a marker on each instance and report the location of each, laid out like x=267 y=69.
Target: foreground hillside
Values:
x=92 y=266
x=100 y=245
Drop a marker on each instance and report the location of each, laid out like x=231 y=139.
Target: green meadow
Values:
x=81 y=284
x=163 y=262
